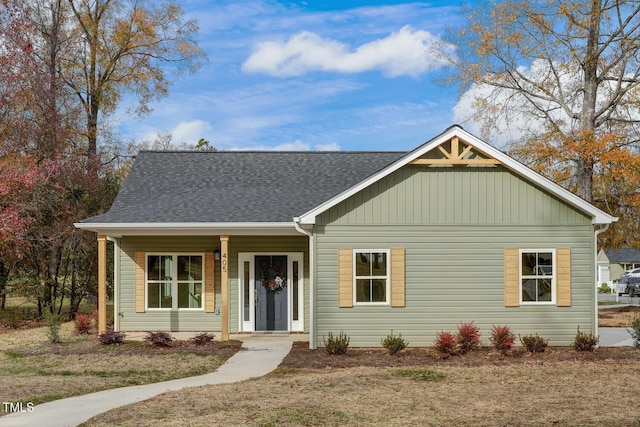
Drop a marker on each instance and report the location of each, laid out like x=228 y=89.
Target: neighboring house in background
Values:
x=363 y=242
x=613 y=262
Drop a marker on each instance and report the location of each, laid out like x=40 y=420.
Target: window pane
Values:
x=379 y=261
x=294 y=289
x=190 y=295
x=545 y=264
x=159 y=267
x=544 y=290
x=371 y=290
x=529 y=290
x=159 y=295
x=363 y=264
x=378 y=291
x=528 y=263
x=189 y=267
x=246 y=291
x=363 y=290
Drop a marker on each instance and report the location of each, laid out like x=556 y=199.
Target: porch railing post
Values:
x=102 y=284
x=224 y=285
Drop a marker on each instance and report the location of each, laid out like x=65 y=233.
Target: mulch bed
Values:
x=301 y=357
x=7 y=326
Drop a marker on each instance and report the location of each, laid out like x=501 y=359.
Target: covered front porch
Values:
x=234 y=294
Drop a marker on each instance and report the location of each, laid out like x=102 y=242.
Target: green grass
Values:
x=419 y=374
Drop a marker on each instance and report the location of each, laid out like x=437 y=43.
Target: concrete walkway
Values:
x=614 y=337
x=258 y=357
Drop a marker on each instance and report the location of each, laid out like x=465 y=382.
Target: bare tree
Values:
x=564 y=75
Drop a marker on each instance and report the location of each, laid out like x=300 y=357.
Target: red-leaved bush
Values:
x=502 y=339
x=446 y=344
x=468 y=337
x=83 y=323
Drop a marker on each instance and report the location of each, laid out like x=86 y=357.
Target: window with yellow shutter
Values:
x=537 y=276
x=371 y=277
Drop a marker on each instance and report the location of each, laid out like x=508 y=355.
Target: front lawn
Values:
x=36 y=371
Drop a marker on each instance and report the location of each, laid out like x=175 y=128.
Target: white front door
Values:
x=260 y=309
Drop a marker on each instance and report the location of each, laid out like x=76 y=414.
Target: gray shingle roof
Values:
x=619 y=255
x=240 y=186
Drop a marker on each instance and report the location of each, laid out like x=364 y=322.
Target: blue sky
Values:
x=309 y=75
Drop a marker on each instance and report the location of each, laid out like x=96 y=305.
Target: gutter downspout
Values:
x=116 y=283
x=595 y=242
x=312 y=289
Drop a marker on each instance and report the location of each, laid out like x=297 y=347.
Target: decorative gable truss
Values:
x=455 y=152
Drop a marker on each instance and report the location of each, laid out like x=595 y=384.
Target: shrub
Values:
x=604 y=288
x=468 y=337
x=336 y=345
x=446 y=344
x=111 y=337
x=534 y=343
x=83 y=323
x=159 y=338
x=584 y=341
x=635 y=331
x=502 y=338
x=202 y=338
x=12 y=319
x=394 y=343
x=53 y=324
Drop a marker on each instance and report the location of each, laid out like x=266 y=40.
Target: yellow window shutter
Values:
x=139 y=260
x=511 y=278
x=209 y=283
x=345 y=278
x=563 y=277
x=397 y=278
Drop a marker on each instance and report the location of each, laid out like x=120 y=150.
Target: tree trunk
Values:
x=4 y=278
x=584 y=164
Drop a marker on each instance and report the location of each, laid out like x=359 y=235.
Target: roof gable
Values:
x=455 y=146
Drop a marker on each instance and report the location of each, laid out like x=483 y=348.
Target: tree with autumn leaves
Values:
x=64 y=66
x=561 y=79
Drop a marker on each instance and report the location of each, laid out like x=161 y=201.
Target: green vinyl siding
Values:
x=453 y=275
x=198 y=320
x=453 y=195
x=169 y=320
x=454 y=224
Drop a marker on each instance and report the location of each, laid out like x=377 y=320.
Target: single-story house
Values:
x=613 y=262
x=361 y=242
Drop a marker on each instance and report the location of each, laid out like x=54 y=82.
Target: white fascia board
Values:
x=191 y=229
x=598 y=216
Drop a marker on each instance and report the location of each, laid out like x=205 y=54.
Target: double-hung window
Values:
x=175 y=281
x=537 y=276
x=371 y=276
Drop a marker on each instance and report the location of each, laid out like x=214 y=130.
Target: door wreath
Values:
x=272 y=279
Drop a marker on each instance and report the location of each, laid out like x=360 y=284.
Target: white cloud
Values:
x=406 y=52
x=191 y=131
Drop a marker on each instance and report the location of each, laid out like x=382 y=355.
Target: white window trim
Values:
x=387 y=301
x=553 y=276
x=174 y=281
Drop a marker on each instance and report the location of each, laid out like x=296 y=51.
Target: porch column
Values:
x=224 y=284
x=102 y=284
